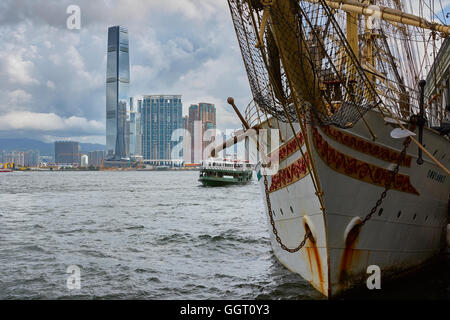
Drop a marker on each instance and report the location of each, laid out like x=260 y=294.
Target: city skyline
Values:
x=54 y=86
x=143 y=127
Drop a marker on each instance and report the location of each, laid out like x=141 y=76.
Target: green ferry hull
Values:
x=217 y=182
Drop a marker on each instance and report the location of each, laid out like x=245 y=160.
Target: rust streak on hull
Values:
x=314 y=261
x=349 y=256
x=313 y=253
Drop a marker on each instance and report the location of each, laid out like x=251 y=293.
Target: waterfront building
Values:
x=135 y=127
x=84 y=161
x=46 y=159
x=161 y=115
x=186 y=140
x=139 y=128
x=67 y=152
x=21 y=158
x=132 y=127
x=16 y=157
x=32 y=158
x=205 y=116
x=117 y=85
x=95 y=158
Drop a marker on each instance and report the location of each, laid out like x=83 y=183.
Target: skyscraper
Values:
x=186 y=140
x=33 y=158
x=139 y=128
x=117 y=84
x=96 y=158
x=205 y=113
x=161 y=115
x=67 y=152
x=133 y=118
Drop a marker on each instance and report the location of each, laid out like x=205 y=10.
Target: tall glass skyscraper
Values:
x=161 y=115
x=117 y=84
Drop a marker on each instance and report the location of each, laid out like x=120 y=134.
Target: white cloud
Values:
x=194 y=10
x=82 y=139
x=18 y=97
x=18 y=70
x=54 y=78
x=51 y=84
x=32 y=121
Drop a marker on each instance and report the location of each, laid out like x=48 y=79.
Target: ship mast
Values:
x=388 y=14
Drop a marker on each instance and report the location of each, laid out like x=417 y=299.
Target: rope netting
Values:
x=304 y=56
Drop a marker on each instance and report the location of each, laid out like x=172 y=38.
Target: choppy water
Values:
x=148 y=235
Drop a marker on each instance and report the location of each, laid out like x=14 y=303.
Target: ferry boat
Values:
x=363 y=175
x=225 y=172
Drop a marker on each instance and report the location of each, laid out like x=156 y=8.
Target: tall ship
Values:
x=357 y=93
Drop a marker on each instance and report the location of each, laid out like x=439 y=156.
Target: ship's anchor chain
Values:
x=308 y=234
x=388 y=184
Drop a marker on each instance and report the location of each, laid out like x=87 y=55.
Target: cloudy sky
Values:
x=53 y=79
x=52 y=82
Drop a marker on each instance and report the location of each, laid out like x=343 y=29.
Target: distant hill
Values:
x=45 y=149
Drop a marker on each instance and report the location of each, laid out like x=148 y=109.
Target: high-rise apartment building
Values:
x=84 y=160
x=33 y=158
x=205 y=115
x=139 y=128
x=96 y=158
x=135 y=127
x=117 y=85
x=21 y=158
x=67 y=152
x=16 y=157
x=186 y=140
x=161 y=115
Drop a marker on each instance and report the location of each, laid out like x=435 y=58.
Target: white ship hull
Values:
x=408 y=231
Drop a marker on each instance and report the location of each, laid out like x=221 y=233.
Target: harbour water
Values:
x=152 y=235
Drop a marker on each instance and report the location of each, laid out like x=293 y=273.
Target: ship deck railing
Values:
x=229 y=169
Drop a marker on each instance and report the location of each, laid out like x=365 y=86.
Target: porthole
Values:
x=380 y=212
